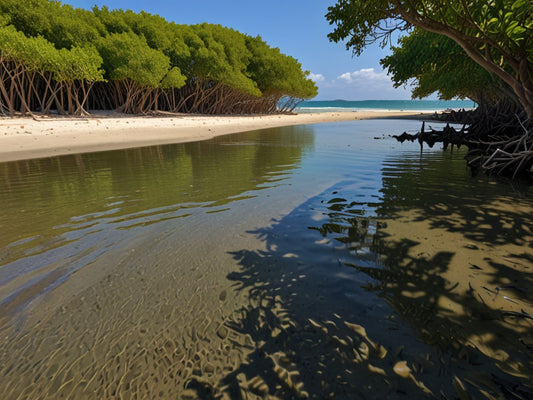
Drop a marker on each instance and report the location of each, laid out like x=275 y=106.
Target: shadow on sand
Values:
x=427 y=296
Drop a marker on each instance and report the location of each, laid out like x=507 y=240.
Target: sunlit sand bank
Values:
x=45 y=136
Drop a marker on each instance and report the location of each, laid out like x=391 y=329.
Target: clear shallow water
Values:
x=321 y=261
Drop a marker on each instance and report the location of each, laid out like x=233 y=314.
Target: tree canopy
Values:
x=434 y=63
x=495 y=34
x=137 y=62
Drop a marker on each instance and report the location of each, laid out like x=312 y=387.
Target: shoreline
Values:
x=24 y=138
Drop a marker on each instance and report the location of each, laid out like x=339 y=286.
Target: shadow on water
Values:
x=424 y=293
x=406 y=278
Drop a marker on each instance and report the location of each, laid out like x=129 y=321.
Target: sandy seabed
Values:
x=46 y=136
x=204 y=309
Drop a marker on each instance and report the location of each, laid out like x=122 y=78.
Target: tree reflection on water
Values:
x=426 y=292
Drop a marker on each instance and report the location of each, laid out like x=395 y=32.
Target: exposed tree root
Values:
x=25 y=91
x=499 y=141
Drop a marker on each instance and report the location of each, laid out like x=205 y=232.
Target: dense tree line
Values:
x=54 y=57
x=482 y=50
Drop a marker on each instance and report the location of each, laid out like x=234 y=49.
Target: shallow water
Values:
x=312 y=261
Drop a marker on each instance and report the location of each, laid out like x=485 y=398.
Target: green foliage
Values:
x=362 y=23
x=29 y=16
x=438 y=64
x=16 y=46
x=73 y=44
x=128 y=56
x=38 y=54
x=496 y=34
x=4 y=20
x=73 y=27
x=506 y=22
x=208 y=52
x=79 y=63
x=112 y=20
x=208 y=60
x=60 y=24
x=236 y=58
x=173 y=79
x=275 y=72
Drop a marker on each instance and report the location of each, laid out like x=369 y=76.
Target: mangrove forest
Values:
x=481 y=50
x=58 y=59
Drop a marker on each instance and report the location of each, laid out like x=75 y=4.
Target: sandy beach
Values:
x=46 y=136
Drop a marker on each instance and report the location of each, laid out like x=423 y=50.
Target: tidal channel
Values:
x=317 y=261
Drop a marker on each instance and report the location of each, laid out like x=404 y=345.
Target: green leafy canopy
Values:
x=496 y=34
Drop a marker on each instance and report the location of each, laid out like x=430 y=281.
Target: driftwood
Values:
x=447 y=136
x=499 y=139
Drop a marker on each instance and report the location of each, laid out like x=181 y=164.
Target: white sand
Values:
x=45 y=136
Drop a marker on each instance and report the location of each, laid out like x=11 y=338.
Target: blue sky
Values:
x=297 y=27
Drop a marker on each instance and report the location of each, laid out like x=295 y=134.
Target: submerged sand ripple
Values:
x=177 y=316
x=144 y=338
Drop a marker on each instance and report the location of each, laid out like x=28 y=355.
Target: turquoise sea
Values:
x=411 y=105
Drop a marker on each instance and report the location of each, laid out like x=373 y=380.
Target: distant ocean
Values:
x=380 y=105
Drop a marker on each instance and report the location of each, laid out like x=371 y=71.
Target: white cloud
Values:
x=365 y=76
x=346 y=76
x=317 y=77
x=363 y=84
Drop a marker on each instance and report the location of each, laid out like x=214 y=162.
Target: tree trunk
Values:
x=521 y=83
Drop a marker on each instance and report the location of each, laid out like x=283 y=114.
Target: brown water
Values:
x=313 y=261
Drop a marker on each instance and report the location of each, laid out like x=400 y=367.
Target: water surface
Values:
x=312 y=261
x=394 y=105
